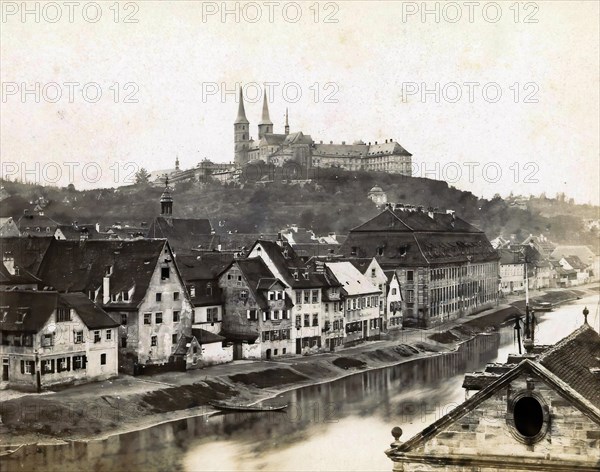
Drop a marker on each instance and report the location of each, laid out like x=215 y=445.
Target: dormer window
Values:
x=209 y=289
x=192 y=291
x=21 y=316
x=244 y=294
x=295 y=274
x=126 y=296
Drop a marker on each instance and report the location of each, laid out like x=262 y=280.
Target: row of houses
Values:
x=540 y=264
x=190 y=308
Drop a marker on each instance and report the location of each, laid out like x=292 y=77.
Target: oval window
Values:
x=529 y=416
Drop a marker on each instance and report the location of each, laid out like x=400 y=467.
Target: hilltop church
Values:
x=277 y=149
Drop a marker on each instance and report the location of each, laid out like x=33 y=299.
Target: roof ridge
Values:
x=585 y=327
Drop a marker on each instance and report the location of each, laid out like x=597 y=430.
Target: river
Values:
x=342 y=425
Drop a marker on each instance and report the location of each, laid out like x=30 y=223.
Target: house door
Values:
x=268 y=354
x=5 y=364
x=298 y=346
x=365 y=329
x=237 y=351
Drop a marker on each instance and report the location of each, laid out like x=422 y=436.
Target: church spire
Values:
x=265 y=112
x=287 y=124
x=266 y=125
x=241 y=116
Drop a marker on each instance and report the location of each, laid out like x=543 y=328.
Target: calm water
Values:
x=343 y=425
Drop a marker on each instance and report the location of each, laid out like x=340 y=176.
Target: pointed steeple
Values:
x=241 y=116
x=265 y=112
x=287 y=124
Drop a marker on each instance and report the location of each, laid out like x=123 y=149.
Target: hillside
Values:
x=335 y=200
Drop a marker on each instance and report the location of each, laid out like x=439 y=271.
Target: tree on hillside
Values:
x=142 y=177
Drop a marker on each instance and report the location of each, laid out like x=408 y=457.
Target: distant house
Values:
x=585 y=255
x=80 y=232
x=36 y=224
x=377 y=196
x=447 y=267
x=257 y=311
x=200 y=274
x=138 y=284
x=8 y=228
x=49 y=339
x=538 y=412
x=304 y=285
x=574 y=264
x=361 y=303
x=512 y=272
x=394 y=302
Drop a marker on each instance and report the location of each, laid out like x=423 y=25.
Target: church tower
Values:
x=266 y=125
x=241 y=134
x=166 y=201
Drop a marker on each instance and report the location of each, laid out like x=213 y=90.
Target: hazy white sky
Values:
x=369 y=70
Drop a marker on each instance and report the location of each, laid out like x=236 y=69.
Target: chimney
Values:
x=343 y=142
x=106 y=289
x=9 y=262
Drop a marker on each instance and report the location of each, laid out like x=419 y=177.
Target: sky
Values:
x=499 y=97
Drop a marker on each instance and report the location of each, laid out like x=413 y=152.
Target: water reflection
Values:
x=342 y=425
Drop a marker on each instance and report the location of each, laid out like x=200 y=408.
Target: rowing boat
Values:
x=238 y=407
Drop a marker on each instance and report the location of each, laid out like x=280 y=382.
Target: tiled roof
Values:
x=74 y=231
x=571 y=360
x=27 y=252
x=412 y=238
x=203 y=265
x=582 y=252
x=36 y=225
x=39 y=305
x=575 y=262
x=90 y=313
x=183 y=234
x=351 y=279
x=74 y=266
x=20 y=277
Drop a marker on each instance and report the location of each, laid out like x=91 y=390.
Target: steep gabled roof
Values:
x=90 y=313
x=38 y=306
x=527 y=366
x=572 y=358
x=351 y=279
x=27 y=252
x=203 y=265
x=184 y=234
x=21 y=277
x=74 y=266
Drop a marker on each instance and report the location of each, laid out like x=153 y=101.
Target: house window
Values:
x=271 y=296
x=326 y=307
x=394 y=291
x=108 y=334
x=306 y=296
x=298 y=297
x=315 y=296
x=212 y=314
x=409 y=275
x=27 y=367
x=153 y=341
x=175 y=296
x=158 y=317
x=373 y=272
x=63 y=314
x=21 y=316
x=123 y=319
x=252 y=315
x=174 y=339
x=147 y=318
x=48 y=366
x=158 y=297
x=175 y=316
x=410 y=296
x=97 y=337
x=62 y=365
x=315 y=319
x=123 y=342
x=102 y=359
x=298 y=320
x=126 y=296
x=307 y=320
x=164 y=273
x=244 y=294
x=47 y=340
x=79 y=362
x=275 y=314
